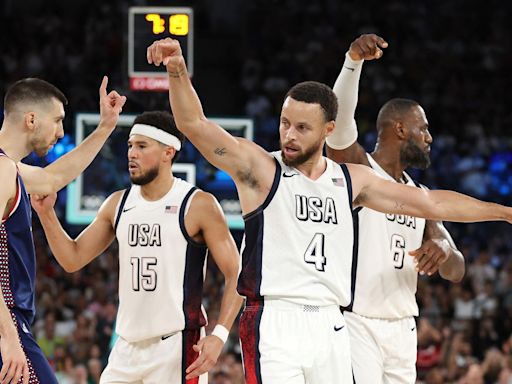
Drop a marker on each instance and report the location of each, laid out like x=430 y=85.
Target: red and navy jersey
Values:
x=17 y=254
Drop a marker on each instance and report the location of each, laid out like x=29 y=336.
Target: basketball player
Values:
x=380 y=320
x=164 y=226
x=298 y=252
x=34 y=111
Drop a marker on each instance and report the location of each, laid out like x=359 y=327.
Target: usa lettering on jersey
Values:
x=315 y=209
x=408 y=221
x=144 y=235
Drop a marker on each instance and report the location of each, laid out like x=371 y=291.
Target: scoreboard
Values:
x=147 y=24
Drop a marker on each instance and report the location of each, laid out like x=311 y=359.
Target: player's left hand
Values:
x=111 y=105
x=209 y=349
x=431 y=255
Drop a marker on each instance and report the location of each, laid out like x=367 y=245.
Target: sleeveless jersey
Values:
x=386 y=279
x=298 y=244
x=17 y=254
x=161 y=268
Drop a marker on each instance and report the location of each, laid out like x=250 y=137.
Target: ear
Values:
x=30 y=121
x=400 y=130
x=169 y=153
x=329 y=128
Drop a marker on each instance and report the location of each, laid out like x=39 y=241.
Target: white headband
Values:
x=156 y=134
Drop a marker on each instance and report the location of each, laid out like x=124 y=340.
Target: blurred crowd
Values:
x=440 y=53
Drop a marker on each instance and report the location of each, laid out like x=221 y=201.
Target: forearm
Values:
x=7 y=327
x=61 y=245
x=68 y=167
x=453 y=206
x=185 y=104
x=453 y=268
x=231 y=303
x=346 y=89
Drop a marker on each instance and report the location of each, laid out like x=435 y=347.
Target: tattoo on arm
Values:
x=220 y=151
x=399 y=206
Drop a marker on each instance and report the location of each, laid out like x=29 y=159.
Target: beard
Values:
x=145 y=178
x=40 y=147
x=301 y=158
x=413 y=156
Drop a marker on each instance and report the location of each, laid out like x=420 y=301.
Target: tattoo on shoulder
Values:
x=220 y=151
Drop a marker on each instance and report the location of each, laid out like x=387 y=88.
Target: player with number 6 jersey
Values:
x=164 y=226
x=392 y=248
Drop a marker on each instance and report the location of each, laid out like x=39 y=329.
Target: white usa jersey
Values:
x=161 y=269
x=386 y=278
x=298 y=244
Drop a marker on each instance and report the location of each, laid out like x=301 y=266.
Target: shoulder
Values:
x=204 y=206
x=7 y=167
x=9 y=172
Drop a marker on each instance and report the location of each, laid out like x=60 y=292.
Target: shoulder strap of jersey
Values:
x=17 y=197
x=121 y=206
x=182 y=213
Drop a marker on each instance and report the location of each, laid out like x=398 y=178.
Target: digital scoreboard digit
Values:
x=147 y=24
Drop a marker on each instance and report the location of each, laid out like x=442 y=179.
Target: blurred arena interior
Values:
x=453 y=57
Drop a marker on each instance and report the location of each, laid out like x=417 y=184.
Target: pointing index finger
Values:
x=380 y=41
x=103 y=86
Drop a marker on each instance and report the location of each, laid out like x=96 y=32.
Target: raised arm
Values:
x=374 y=192
x=74 y=254
x=13 y=357
x=44 y=181
x=236 y=156
x=439 y=252
x=342 y=145
x=222 y=247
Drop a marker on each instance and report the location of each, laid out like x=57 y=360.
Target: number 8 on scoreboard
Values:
x=147 y=24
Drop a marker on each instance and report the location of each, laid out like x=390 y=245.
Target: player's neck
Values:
x=389 y=161
x=12 y=144
x=157 y=188
x=314 y=167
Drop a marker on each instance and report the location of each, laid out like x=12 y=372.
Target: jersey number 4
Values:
x=315 y=252
x=143 y=273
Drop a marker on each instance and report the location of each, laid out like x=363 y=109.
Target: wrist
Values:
x=221 y=332
x=9 y=331
x=352 y=61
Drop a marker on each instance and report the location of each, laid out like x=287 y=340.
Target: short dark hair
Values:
x=162 y=120
x=394 y=110
x=31 y=90
x=313 y=92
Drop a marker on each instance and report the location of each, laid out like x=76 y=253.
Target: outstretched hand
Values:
x=111 y=104
x=167 y=52
x=367 y=47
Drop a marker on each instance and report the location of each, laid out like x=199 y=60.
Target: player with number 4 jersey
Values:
x=164 y=227
x=292 y=330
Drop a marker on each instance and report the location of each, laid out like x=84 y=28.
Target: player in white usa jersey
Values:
x=285 y=337
x=381 y=319
x=164 y=227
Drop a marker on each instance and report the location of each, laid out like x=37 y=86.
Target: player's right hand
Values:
x=111 y=105
x=43 y=204
x=367 y=47
x=167 y=52
x=15 y=364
